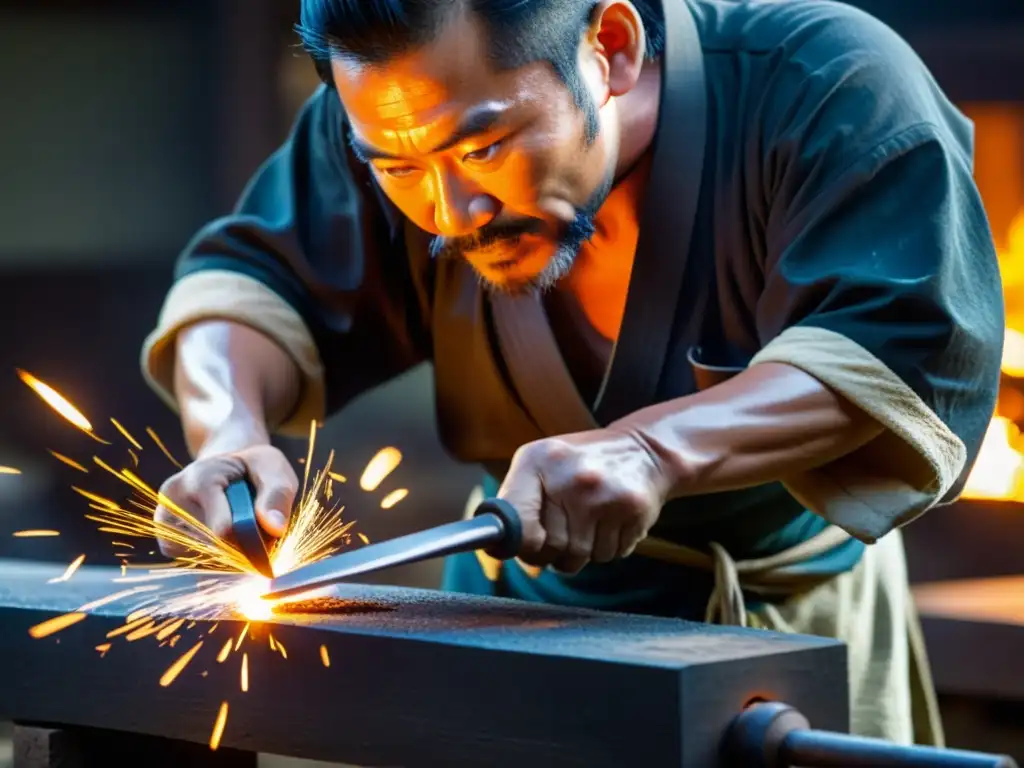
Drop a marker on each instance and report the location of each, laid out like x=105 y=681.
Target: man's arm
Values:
x=233 y=385
x=769 y=422
x=280 y=313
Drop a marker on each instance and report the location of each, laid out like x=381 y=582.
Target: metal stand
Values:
x=774 y=735
x=44 y=747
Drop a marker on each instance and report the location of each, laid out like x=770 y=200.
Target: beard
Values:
x=508 y=234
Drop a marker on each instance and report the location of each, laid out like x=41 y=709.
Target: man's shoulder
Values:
x=824 y=67
x=802 y=31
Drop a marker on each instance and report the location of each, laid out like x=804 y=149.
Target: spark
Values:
x=171 y=627
x=245 y=672
x=103 y=649
x=364 y=538
x=70 y=462
x=70 y=570
x=160 y=444
x=309 y=455
x=33 y=534
x=59 y=403
x=126 y=433
x=324 y=657
x=177 y=667
x=56 y=624
x=273 y=644
x=9 y=471
x=122 y=544
x=225 y=651
x=393 y=498
x=150 y=628
x=241 y=635
x=218 y=726
x=337 y=478
x=128 y=628
x=379 y=467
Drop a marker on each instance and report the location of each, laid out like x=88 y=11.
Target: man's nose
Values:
x=460 y=206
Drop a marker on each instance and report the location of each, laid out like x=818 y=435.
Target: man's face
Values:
x=494 y=164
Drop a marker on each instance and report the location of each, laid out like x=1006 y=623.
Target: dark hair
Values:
x=520 y=32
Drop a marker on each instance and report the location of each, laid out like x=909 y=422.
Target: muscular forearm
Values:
x=767 y=423
x=232 y=385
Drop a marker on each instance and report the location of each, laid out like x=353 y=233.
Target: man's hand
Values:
x=587 y=497
x=199 y=490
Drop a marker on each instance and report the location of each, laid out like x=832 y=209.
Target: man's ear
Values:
x=617 y=43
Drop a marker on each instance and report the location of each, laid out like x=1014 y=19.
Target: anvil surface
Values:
x=438 y=679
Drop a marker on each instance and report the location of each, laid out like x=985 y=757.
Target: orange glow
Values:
x=999 y=170
x=999 y=470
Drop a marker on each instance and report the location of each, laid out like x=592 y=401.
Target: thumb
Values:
x=523 y=490
x=276 y=486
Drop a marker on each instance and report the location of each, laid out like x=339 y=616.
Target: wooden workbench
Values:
x=974 y=630
x=435 y=680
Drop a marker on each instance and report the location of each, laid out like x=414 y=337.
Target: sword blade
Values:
x=478 y=532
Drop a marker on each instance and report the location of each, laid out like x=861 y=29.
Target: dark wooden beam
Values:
x=434 y=679
x=974 y=630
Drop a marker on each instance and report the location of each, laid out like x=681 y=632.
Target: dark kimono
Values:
x=838 y=230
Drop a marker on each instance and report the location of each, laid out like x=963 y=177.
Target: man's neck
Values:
x=638 y=118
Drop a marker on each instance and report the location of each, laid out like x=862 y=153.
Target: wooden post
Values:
x=47 y=747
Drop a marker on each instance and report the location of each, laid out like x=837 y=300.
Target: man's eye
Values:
x=484 y=154
x=398 y=172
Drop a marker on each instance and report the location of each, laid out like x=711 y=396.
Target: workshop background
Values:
x=124 y=126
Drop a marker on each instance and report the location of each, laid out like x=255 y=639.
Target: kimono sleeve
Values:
x=310 y=258
x=881 y=280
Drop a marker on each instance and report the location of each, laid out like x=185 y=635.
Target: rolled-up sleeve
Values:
x=881 y=280
x=309 y=258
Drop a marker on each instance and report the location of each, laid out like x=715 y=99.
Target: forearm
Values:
x=233 y=385
x=767 y=423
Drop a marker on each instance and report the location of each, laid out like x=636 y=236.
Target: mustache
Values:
x=487 y=235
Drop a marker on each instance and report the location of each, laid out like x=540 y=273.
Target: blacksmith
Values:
x=707 y=289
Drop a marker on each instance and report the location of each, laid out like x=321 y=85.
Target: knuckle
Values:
x=633 y=500
x=557 y=541
x=578 y=550
x=533 y=540
x=589 y=479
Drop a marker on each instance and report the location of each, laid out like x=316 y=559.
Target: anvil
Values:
x=421 y=679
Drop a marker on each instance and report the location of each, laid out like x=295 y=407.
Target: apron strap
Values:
x=536 y=366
